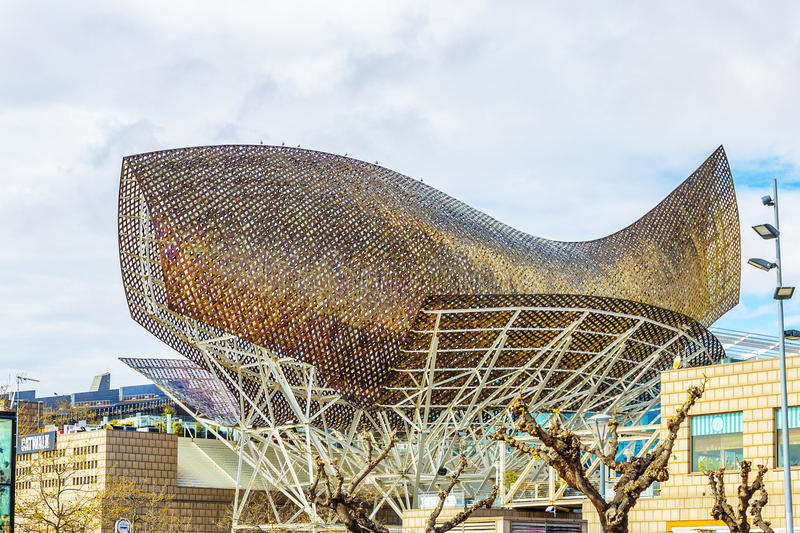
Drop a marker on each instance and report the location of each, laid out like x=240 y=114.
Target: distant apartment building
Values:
x=101 y=399
x=197 y=474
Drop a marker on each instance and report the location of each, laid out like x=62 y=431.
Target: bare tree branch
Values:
x=430 y=525
x=371 y=463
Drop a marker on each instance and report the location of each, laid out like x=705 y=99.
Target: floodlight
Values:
x=766 y=231
x=761 y=263
x=767 y=200
x=792 y=335
x=783 y=293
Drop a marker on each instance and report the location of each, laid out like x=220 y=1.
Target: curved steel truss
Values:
x=433 y=433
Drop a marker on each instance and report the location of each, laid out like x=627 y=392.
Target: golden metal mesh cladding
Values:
x=328 y=259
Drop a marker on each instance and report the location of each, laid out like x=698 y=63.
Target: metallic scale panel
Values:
x=193 y=386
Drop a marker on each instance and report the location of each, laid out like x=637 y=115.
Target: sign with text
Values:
x=37 y=442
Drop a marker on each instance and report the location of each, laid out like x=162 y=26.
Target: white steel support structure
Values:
x=433 y=434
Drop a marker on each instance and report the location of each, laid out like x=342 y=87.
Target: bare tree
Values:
x=149 y=511
x=351 y=510
x=561 y=449
x=752 y=499
x=56 y=492
x=263 y=511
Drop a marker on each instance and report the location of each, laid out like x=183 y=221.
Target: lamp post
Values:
x=770 y=232
x=598 y=424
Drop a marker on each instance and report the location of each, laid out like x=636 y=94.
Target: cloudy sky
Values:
x=567 y=120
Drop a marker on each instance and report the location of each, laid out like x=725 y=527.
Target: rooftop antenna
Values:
x=20 y=379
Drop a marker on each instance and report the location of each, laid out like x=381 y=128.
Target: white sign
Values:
x=122 y=526
x=429 y=500
x=37 y=442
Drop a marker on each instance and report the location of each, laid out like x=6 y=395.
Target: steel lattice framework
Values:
x=321 y=296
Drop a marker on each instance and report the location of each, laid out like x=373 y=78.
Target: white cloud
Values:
x=567 y=120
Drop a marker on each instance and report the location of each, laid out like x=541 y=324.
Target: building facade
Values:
x=193 y=477
x=737 y=418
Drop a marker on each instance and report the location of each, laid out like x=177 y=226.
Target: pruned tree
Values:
x=343 y=500
x=752 y=499
x=351 y=509
x=561 y=449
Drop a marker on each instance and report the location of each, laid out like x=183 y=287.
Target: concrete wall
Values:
x=750 y=387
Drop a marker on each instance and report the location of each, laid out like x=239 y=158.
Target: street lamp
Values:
x=598 y=424
x=769 y=232
x=791 y=335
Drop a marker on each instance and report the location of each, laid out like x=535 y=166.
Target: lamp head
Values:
x=767 y=200
x=766 y=231
x=783 y=293
x=791 y=335
x=761 y=264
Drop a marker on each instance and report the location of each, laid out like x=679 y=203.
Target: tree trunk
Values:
x=619 y=526
x=347 y=519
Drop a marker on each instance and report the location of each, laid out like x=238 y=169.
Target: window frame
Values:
x=776 y=441
x=691 y=440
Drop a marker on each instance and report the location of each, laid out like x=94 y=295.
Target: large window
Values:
x=794 y=436
x=716 y=441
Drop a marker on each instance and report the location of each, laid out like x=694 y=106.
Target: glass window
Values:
x=794 y=436
x=716 y=441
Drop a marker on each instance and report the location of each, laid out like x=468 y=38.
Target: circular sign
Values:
x=122 y=526
x=717 y=424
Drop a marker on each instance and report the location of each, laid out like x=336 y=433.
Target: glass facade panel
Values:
x=794 y=437
x=716 y=441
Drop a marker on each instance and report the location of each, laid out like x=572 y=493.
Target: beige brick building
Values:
x=201 y=489
x=741 y=396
